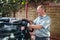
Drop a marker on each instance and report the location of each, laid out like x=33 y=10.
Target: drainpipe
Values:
x=26 y=8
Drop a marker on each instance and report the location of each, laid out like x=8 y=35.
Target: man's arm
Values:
x=35 y=26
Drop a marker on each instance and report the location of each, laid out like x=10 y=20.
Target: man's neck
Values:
x=44 y=15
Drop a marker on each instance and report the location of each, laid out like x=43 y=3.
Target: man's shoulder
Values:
x=36 y=19
x=47 y=18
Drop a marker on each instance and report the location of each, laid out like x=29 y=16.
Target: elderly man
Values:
x=41 y=24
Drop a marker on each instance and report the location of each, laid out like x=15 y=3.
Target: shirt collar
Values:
x=43 y=16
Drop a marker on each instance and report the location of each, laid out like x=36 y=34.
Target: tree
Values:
x=11 y=6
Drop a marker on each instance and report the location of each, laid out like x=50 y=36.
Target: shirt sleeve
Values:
x=45 y=23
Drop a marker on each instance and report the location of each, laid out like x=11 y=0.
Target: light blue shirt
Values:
x=45 y=22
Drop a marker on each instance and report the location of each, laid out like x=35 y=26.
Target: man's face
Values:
x=40 y=11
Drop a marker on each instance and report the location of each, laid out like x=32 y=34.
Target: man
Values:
x=41 y=24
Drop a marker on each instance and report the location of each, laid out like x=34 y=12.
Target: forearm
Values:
x=35 y=26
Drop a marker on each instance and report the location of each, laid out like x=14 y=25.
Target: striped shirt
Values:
x=45 y=21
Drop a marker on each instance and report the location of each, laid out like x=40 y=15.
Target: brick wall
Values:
x=54 y=13
x=31 y=13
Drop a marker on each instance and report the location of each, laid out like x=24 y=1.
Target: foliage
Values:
x=8 y=6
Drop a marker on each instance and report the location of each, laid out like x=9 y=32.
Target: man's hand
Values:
x=32 y=33
x=30 y=21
